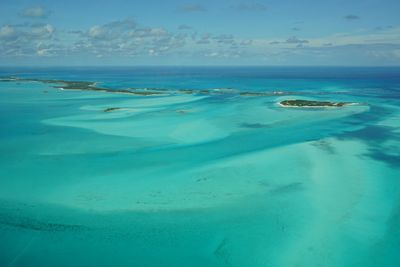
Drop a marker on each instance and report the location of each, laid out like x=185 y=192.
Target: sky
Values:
x=218 y=32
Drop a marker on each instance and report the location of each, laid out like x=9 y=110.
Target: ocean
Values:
x=212 y=171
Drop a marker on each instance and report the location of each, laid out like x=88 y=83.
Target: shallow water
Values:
x=200 y=180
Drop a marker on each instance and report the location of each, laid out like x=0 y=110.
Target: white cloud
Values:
x=42 y=52
x=27 y=40
x=96 y=32
x=42 y=31
x=35 y=12
x=6 y=31
x=126 y=38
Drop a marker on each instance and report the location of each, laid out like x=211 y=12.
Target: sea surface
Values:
x=189 y=178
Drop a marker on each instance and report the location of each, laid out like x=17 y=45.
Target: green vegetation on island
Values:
x=111 y=109
x=85 y=86
x=313 y=103
x=94 y=86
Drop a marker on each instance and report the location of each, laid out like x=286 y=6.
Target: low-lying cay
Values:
x=313 y=103
x=94 y=86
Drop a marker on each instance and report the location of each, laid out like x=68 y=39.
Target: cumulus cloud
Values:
x=126 y=37
x=112 y=30
x=27 y=39
x=30 y=32
x=42 y=31
x=35 y=12
x=7 y=32
x=220 y=41
x=192 y=8
x=96 y=32
x=351 y=17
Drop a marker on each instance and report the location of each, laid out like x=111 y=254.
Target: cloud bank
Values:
x=127 y=40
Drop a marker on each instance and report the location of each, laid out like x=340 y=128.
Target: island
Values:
x=96 y=86
x=312 y=103
x=86 y=86
x=111 y=109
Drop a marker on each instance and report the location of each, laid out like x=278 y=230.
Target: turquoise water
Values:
x=200 y=180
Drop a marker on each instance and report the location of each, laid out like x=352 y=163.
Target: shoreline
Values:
x=93 y=86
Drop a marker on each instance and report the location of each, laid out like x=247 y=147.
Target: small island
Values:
x=313 y=103
x=111 y=109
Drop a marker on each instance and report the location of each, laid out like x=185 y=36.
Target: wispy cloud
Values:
x=192 y=8
x=364 y=47
x=254 y=6
x=290 y=40
x=295 y=40
x=35 y=12
x=351 y=17
x=184 y=27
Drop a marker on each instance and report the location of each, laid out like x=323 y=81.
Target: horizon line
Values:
x=191 y=66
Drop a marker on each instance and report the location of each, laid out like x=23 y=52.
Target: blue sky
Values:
x=224 y=32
